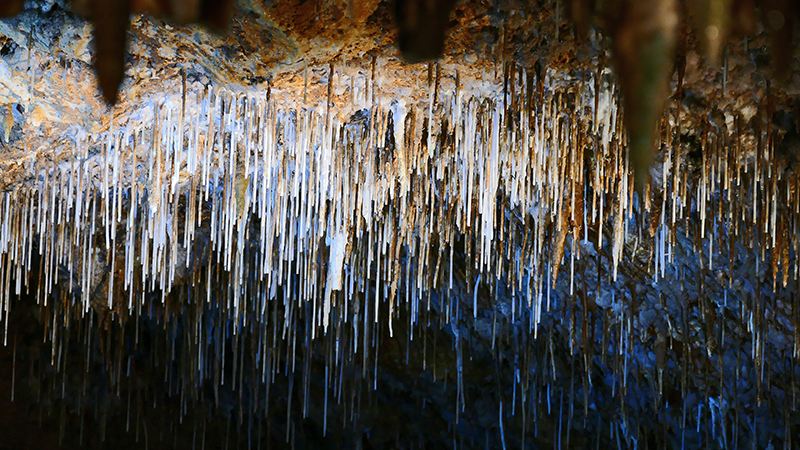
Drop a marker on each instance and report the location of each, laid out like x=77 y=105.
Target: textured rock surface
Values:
x=697 y=349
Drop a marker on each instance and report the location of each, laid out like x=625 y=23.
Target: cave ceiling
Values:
x=409 y=224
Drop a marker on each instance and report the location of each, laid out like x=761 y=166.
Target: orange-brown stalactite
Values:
x=642 y=33
x=422 y=28
x=111 y=20
x=215 y=14
x=11 y=7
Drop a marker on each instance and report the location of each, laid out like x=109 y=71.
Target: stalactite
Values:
x=288 y=225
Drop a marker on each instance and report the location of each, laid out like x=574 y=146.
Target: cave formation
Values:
x=409 y=224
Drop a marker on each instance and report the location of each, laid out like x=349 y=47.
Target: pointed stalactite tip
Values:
x=712 y=23
x=422 y=28
x=217 y=14
x=644 y=35
x=109 y=78
x=110 y=19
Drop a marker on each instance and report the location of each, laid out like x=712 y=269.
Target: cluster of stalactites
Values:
x=370 y=199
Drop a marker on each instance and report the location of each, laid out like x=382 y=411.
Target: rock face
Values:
x=285 y=234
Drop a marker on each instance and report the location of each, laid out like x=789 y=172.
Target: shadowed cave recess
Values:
x=399 y=225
